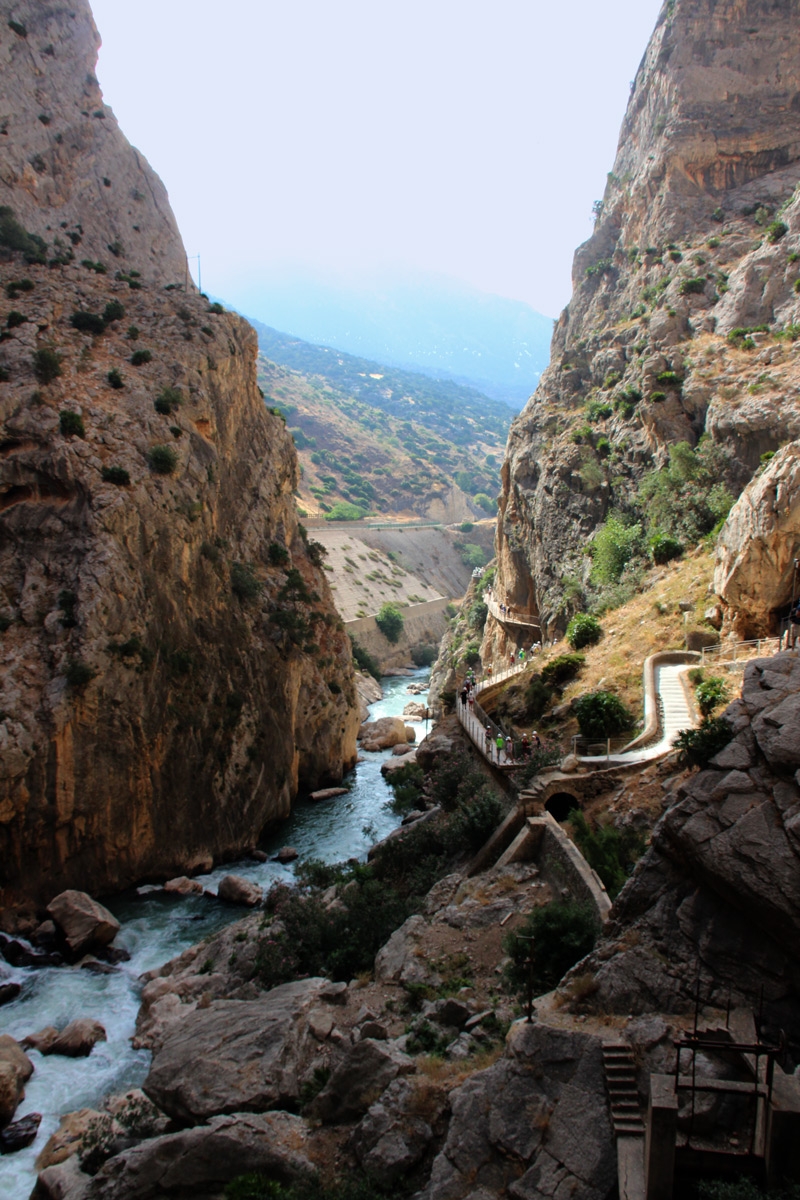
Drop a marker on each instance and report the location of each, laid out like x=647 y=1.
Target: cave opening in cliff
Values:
x=561 y=805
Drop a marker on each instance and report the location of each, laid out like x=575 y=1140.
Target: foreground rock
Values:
x=233 y=889
x=194 y=1162
x=366 y=1071
x=536 y=1124
x=183 y=886
x=15 y=1071
x=78 y=1039
x=234 y=1055
x=383 y=734
x=84 y=923
x=393 y=1137
x=20 y=1134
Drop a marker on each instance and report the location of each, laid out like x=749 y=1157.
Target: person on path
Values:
x=521 y=654
x=471 y=701
x=526 y=747
x=488 y=738
x=500 y=744
x=489 y=671
x=462 y=695
x=511 y=659
x=509 y=750
x=536 y=741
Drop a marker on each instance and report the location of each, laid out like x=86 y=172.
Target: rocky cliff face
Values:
x=173 y=669
x=698 y=237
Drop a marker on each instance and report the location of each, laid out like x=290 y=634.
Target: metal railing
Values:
x=584 y=747
x=732 y=654
x=474 y=719
x=509 y=617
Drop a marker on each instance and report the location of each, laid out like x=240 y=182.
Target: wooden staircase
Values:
x=620 y=1070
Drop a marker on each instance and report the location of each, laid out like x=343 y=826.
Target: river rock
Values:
x=382 y=734
x=42 y=1040
x=78 y=1039
x=536 y=1124
x=286 y=854
x=365 y=1072
x=193 y=1162
x=15 y=1071
x=392 y=1138
x=390 y=765
x=233 y=889
x=9 y=992
x=328 y=793
x=20 y=1134
x=432 y=748
x=182 y=885
x=411 y=733
x=234 y=1055
x=415 y=709
x=72 y=1128
x=83 y=921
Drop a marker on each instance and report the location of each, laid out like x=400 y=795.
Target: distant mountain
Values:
x=432 y=325
x=384 y=439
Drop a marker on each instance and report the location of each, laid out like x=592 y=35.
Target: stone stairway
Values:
x=620 y=1072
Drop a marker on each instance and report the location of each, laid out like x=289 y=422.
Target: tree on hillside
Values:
x=390 y=622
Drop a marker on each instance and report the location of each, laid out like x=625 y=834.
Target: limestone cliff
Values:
x=696 y=244
x=173 y=669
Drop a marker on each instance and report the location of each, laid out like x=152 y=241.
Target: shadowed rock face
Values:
x=164 y=688
x=717 y=896
x=709 y=152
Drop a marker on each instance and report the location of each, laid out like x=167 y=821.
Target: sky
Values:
x=365 y=139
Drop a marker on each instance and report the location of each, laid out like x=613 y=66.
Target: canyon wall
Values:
x=695 y=246
x=173 y=668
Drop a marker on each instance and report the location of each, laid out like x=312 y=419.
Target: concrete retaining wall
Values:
x=423 y=625
x=560 y=862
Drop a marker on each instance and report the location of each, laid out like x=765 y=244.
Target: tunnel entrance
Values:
x=561 y=805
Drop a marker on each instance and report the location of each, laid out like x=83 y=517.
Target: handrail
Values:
x=506 y=618
x=737 y=651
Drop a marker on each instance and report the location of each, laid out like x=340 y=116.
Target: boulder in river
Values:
x=182 y=885
x=328 y=793
x=20 y=1134
x=234 y=1055
x=233 y=889
x=78 y=1039
x=15 y=1071
x=382 y=734
x=9 y=992
x=42 y=1040
x=287 y=854
x=83 y=921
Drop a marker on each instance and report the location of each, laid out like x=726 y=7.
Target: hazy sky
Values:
x=450 y=136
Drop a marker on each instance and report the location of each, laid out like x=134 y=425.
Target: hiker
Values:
x=526 y=748
x=511 y=659
x=500 y=744
x=489 y=671
x=471 y=700
x=488 y=739
x=462 y=695
x=521 y=654
x=536 y=741
x=509 y=750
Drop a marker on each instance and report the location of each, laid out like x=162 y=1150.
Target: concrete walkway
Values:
x=512 y=617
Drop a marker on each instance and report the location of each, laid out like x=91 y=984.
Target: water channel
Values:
x=155 y=928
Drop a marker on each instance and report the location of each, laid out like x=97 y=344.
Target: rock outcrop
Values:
x=173 y=668
x=715 y=902
x=696 y=238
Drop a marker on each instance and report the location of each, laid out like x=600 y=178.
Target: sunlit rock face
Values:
x=173 y=668
x=695 y=238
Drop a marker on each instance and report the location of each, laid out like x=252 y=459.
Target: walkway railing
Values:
x=509 y=617
x=474 y=719
x=730 y=654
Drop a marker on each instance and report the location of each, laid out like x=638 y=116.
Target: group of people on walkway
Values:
x=501 y=750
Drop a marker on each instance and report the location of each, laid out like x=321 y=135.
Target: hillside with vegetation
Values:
x=383 y=440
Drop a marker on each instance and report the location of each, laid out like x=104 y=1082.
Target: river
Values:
x=155 y=928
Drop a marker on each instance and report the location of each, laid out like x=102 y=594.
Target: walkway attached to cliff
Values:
x=668 y=710
x=510 y=616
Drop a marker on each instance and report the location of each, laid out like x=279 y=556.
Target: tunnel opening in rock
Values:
x=561 y=805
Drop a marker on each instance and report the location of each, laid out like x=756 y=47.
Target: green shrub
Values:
x=562 y=669
x=776 y=231
x=406 y=783
x=741 y=336
x=710 y=693
x=15 y=286
x=669 y=379
x=687 y=498
x=699 y=746
x=343 y=510
x=584 y=630
x=46 y=364
x=538 y=697
x=14 y=237
x=476 y=617
x=562 y=934
x=424 y=656
x=87 y=322
x=390 y=621
x=602 y=715
x=115 y=380
x=611 y=852
x=78 y=674
x=114 y=311
x=244 y=582
x=139 y=357
x=364 y=660
x=598 y=410
x=692 y=287
x=664 y=547
x=658 y=397
x=15 y=319
x=162 y=459
x=489 y=506
x=473 y=823
x=71 y=423
x=472 y=555
x=278 y=555
x=216 y=307
x=466 y=527
x=613 y=546
x=168 y=401
x=471 y=654
x=117 y=475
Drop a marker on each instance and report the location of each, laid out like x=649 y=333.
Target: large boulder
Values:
x=382 y=734
x=78 y=1039
x=83 y=921
x=234 y=1055
x=194 y=1162
x=363 y=1075
x=400 y=960
x=432 y=748
x=535 y=1124
x=233 y=889
x=393 y=1136
x=15 y=1071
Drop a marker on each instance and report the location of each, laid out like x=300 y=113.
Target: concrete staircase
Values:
x=620 y=1070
